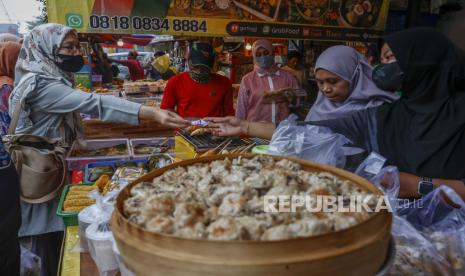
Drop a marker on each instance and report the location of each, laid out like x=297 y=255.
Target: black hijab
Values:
x=424 y=132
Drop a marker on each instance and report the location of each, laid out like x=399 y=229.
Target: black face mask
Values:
x=200 y=74
x=70 y=63
x=388 y=77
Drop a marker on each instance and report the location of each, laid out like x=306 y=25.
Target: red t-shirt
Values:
x=192 y=99
x=136 y=71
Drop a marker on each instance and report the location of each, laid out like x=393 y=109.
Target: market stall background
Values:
x=317 y=20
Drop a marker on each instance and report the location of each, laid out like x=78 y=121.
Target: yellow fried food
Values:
x=76 y=196
x=102 y=182
x=78 y=202
x=199 y=131
x=192 y=128
x=81 y=188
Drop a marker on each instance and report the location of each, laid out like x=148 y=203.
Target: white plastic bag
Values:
x=313 y=143
x=30 y=263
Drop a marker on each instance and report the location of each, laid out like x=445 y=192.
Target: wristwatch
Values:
x=425 y=185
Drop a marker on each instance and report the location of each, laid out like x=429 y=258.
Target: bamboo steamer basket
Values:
x=358 y=250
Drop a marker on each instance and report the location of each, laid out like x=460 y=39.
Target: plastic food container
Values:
x=122 y=267
x=150 y=142
x=97 y=164
x=100 y=242
x=78 y=163
x=69 y=218
x=85 y=218
x=262 y=149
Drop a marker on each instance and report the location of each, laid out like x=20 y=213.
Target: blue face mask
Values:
x=264 y=62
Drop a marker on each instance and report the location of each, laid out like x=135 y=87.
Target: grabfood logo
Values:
x=74 y=20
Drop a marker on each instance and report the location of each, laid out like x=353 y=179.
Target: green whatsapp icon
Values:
x=74 y=20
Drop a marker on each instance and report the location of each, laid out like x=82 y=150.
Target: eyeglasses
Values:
x=76 y=47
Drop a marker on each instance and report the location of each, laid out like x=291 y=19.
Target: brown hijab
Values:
x=9 y=52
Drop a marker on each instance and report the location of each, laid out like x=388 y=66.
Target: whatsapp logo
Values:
x=74 y=20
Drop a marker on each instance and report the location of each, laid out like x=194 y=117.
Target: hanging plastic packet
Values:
x=199 y=123
x=371 y=167
x=385 y=178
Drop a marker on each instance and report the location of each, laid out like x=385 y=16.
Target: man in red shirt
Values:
x=199 y=93
x=136 y=71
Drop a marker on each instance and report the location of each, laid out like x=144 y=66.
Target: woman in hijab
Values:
x=9 y=52
x=50 y=107
x=423 y=133
x=344 y=79
x=266 y=76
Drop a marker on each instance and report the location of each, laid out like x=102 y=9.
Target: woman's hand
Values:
x=227 y=126
x=161 y=116
x=170 y=119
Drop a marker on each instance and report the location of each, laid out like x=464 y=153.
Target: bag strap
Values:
x=14 y=120
x=17 y=109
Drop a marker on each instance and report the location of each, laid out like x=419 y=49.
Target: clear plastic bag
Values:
x=441 y=210
x=415 y=255
x=441 y=219
x=385 y=178
x=450 y=245
x=308 y=142
x=30 y=263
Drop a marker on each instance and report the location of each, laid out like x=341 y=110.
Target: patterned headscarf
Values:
x=39 y=53
x=37 y=61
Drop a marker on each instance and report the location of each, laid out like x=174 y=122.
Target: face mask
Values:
x=264 y=62
x=388 y=77
x=200 y=74
x=70 y=63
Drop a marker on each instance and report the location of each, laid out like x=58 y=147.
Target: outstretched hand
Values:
x=226 y=126
x=170 y=119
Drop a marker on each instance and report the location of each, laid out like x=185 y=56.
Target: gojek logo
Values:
x=74 y=20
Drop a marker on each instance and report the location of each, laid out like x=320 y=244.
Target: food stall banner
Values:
x=332 y=20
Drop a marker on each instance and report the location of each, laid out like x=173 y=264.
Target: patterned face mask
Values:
x=200 y=73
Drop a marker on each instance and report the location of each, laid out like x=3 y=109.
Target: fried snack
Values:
x=102 y=182
x=199 y=131
x=76 y=196
x=192 y=128
x=81 y=188
x=78 y=202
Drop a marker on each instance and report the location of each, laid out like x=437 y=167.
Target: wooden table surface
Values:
x=88 y=267
x=96 y=129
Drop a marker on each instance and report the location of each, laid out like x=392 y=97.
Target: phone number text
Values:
x=146 y=23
